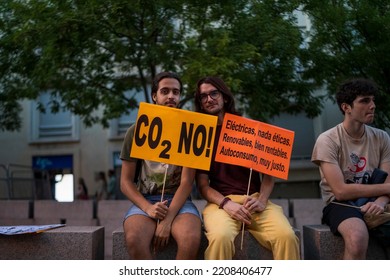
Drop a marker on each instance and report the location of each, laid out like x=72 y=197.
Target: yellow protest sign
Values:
x=257 y=145
x=174 y=136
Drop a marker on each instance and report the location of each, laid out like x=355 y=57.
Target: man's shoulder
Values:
x=131 y=128
x=327 y=143
x=332 y=132
x=130 y=132
x=375 y=130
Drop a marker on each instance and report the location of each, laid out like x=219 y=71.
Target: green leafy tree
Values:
x=256 y=47
x=350 y=38
x=87 y=54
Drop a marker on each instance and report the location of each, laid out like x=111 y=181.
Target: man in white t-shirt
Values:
x=347 y=154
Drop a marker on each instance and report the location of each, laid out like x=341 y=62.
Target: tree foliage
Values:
x=255 y=46
x=86 y=53
x=350 y=39
x=89 y=53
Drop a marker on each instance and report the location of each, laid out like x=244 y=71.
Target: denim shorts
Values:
x=188 y=206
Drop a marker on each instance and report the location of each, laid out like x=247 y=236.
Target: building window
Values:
x=50 y=127
x=118 y=127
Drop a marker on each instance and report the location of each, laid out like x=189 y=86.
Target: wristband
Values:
x=223 y=202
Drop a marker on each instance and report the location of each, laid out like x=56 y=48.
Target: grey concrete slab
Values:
x=321 y=244
x=78 y=209
x=65 y=243
x=15 y=209
x=68 y=221
x=108 y=209
x=15 y=222
x=307 y=211
x=110 y=215
x=251 y=248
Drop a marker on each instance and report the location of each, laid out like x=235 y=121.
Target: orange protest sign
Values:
x=257 y=145
x=174 y=136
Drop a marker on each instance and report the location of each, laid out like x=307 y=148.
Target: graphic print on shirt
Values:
x=359 y=163
x=152 y=178
x=357 y=173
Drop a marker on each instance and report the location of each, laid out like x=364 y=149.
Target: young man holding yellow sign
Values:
x=161 y=196
x=225 y=187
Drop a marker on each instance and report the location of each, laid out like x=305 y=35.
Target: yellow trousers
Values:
x=270 y=228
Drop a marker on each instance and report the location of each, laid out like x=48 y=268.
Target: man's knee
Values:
x=357 y=240
x=136 y=240
x=131 y=239
x=354 y=232
x=221 y=236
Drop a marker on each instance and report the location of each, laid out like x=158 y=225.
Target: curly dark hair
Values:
x=352 y=88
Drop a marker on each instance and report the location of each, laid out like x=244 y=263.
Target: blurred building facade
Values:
x=50 y=145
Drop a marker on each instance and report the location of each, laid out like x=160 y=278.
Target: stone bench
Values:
x=251 y=250
x=16 y=212
x=65 y=243
x=321 y=244
x=76 y=213
x=110 y=214
x=306 y=211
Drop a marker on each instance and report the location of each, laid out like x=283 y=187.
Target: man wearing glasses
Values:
x=225 y=186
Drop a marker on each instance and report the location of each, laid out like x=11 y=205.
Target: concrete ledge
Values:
x=251 y=250
x=321 y=244
x=119 y=251
x=78 y=209
x=110 y=215
x=65 y=243
x=16 y=222
x=76 y=213
x=15 y=209
x=306 y=211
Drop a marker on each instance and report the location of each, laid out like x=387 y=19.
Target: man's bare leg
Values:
x=139 y=232
x=355 y=234
x=186 y=230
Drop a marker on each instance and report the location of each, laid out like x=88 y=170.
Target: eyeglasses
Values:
x=214 y=94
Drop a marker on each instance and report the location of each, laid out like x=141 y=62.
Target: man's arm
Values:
x=259 y=204
x=344 y=191
x=164 y=227
x=267 y=186
x=129 y=189
x=208 y=193
x=182 y=193
x=382 y=200
x=235 y=210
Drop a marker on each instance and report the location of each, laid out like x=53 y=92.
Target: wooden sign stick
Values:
x=247 y=193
